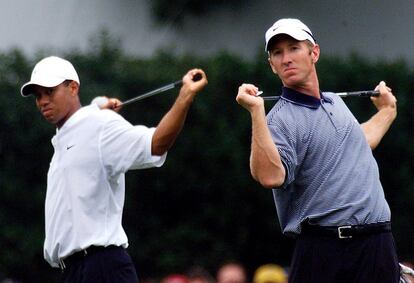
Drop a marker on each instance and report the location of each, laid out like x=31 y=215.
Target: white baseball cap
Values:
x=292 y=27
x=50 y=72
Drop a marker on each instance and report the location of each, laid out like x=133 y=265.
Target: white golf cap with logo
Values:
x=50 y=72
x=292 y=27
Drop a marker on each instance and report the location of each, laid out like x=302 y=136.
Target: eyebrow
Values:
x=46 y=89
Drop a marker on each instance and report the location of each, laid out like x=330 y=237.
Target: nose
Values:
x=286 y=59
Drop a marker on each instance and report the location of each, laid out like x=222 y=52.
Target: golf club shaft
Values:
x=364 y=93
x=179 y=83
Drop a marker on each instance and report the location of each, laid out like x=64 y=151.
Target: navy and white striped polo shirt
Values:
x=332 y=177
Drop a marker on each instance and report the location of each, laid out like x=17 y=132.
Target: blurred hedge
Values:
x=202 y=207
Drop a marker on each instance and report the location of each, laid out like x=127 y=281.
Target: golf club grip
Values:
x=196 y=78
x=363 y=93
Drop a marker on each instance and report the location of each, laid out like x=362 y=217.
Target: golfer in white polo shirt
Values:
x=86 y=187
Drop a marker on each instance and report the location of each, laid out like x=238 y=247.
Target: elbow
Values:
x=158 y=150
x=272 y=181
x=373 y=145
x=161 y=144
x=372 y=141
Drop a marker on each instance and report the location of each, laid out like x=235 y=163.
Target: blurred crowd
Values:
x=230 y=272
x=235 y=272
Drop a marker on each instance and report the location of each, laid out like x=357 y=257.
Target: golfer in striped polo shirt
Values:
x=318 y=160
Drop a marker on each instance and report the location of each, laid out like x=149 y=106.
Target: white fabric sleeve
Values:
x=124 y=147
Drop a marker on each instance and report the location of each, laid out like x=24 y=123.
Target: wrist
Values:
x=185 y=98
x=389 y=111
x=257 y=110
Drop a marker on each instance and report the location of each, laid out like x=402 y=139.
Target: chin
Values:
x=292 y=84
x=293 y=80
x=51 y=120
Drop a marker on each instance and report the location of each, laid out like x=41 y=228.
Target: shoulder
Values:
x=277 y=110
x=283 y=113
x=333 y=97
x=92 y=117
x=93 y=112
x=284 y=121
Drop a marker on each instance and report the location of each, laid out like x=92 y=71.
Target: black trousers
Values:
x=364 y=259
x=106 y=266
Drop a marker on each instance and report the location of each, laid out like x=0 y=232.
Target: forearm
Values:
x=170 y=126
x=172 y=123
x=265 y=163
x=376 y=127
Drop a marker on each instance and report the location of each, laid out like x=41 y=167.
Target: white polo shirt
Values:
x=86 y=180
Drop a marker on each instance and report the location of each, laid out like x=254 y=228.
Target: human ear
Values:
x=74 y=88
x=315 y=53
x=271 y=65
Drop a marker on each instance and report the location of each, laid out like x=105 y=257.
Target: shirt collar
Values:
x=78 y=115
x=303 y=99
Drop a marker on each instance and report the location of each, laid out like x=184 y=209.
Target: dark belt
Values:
x=67 y=262
x=346 y=231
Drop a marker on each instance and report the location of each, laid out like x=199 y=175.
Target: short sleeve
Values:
x=284 y=140
x=124 y=147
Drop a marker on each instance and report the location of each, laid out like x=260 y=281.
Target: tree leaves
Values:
x=202 y=207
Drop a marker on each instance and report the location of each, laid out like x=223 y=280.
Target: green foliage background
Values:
x=202 y=207
x=173 y=12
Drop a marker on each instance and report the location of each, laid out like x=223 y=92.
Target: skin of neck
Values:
x=309 y=87
x=72 y=99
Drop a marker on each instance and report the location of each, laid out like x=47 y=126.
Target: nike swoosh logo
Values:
x=69 y=147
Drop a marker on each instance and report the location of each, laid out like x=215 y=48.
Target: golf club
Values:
x=179 y=83
x=363 y=93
